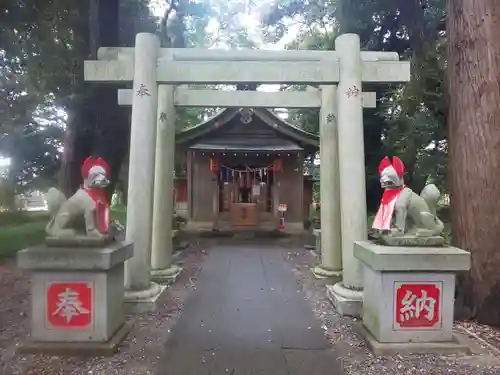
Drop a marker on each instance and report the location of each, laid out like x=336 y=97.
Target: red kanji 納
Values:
x=69 y=304
x=417 y=305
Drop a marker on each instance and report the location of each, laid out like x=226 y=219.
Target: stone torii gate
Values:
x=154 y=71
x=184 y=97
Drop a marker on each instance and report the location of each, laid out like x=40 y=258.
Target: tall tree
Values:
x=97 y=125
x=474 y=144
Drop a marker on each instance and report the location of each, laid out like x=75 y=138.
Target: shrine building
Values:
x=243 y=169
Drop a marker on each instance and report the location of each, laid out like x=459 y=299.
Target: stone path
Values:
x=247 y=316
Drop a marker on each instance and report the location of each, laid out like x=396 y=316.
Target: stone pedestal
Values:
x=317 y=238
x=165 y=272
x=166 y=276
x=322 y=271
x=144 y=300
x=77 y=298
x=409 y=296
x=348 y=301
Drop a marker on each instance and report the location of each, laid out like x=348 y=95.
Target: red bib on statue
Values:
x=386 y=210
x=101 y=209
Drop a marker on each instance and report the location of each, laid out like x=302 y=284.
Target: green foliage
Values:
x=231 y=30
x=21 y=229
x=49 y=38
x=19 y=217
x=316 y=192
x=410 y=119
x=7 y=194
x=19 y=237
x=417 y=118
x=31 y=126
x=119 y=213
x=44 y=44
x=46 y=41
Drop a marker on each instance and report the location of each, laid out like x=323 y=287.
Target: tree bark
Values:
x=78 y=138
x=97 y=125
x=78 y=141
x=474 y=146
x=113 y=132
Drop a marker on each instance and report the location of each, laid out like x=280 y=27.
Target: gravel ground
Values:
x=139 y=353
x=358 y=360
x=144 y=345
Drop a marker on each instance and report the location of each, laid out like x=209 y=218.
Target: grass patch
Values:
x=11 y=218
x=370 y=219
x=21 y=229
x=18 y=237
x=119 y=213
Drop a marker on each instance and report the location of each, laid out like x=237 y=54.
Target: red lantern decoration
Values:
x=277 y=165
x=214 y=164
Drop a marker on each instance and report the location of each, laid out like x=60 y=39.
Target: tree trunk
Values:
x=77 y=145
x=113 y=132
x=78 y=138
x=97 y=125
x=474 y=146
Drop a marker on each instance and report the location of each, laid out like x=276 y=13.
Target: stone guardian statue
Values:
x=410 y=219
x=90 y=202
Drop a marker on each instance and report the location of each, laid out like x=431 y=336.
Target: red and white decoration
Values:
x=390 y=197
x=102 y=209
x=282 y=207
x=98 y=195
x=417 y=305
x=69 y=305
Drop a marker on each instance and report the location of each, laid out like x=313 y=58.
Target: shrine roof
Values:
x=247 y=146
x=265 y=115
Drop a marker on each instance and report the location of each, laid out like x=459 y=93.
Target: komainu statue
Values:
x=89 y=202
x=403 y=213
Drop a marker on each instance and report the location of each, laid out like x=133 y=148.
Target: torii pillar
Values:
x=347 y=296
x=163 y=270
x=140 y=292
x=331 y=265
